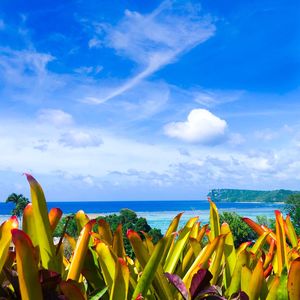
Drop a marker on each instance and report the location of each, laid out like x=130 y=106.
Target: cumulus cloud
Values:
x=55 y=117
x=201 y=127
x=80 y=139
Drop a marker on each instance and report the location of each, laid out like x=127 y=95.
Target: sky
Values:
x=149 y=100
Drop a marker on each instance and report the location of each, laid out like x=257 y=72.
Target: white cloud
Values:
x=55 y=117
x=80 y=139
x=201 y=126
x=149 y=40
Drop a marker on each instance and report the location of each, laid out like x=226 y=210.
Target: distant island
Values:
x=236 y=195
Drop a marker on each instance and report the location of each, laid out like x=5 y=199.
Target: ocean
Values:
x=159 y=213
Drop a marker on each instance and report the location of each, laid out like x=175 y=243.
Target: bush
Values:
x=240 y=230
x=292 y=207
x=126 y=217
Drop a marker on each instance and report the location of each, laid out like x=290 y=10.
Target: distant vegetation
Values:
x=126 y=217
x=235 y=195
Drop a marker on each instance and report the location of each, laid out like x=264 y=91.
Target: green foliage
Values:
x=235 y=195
x=130 y=220
x=71 y=227
x=240 y=230
x=264 y=220
x=127 y=218
x=292 y=207
x=20 y=203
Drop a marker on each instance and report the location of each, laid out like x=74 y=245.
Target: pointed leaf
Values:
x=5 y=238
x=235 y=283
x=256 y=282
x=201 y=260
x=105 y=231
x=216 y=265
x=259 y=243
x=150 y=269
x=180 y=243
x=200 y=281
x=176 y=281
x=42 y=225
x=81 y=220
x=27 y=267
x=107 y=263
x=54 y=215
x=214 y=221
x=294 y=280
x=121 y=281
x=159 y=282
x=229 y=253
x=80 y=252
x=29 y=226
x=281 y=252
x=118 y=244
x=291 y=232
x=272 y=295
x=258 y=229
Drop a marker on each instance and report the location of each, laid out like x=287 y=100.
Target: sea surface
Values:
x=159 y=213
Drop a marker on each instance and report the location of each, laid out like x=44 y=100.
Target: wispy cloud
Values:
x=57 y=117
x=149 y=40
x=80 y=139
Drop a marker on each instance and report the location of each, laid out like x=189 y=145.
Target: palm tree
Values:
x=20 y=203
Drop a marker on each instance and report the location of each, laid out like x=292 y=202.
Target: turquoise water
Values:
x=160 y=213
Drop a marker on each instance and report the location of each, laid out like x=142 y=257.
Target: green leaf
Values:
x=149 y=272
x=27 y=266
x=42 y=226
x=121 y=281
x=214 y=221
x=80 y=252
x=99 y=294
x=5 y=238
x=178 y=248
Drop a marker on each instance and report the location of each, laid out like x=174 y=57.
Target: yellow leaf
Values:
x=256 y=282
x=281 y=251
x=27 y=267
x=80 y=252
x=54 y=216
x=214 y=221
x=42 y=226
x=118 y=244
x=121 y=281
x=178 y=248
x=105 y=231
x=293 y=283
x=5 y=238
x=107 y=263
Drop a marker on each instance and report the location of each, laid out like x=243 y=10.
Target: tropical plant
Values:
x=126 y=217
x=241 y=231
x=292 y=207
x=180 y=266
x=20 y=203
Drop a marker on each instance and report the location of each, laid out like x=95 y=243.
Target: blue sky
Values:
x=137 y=100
